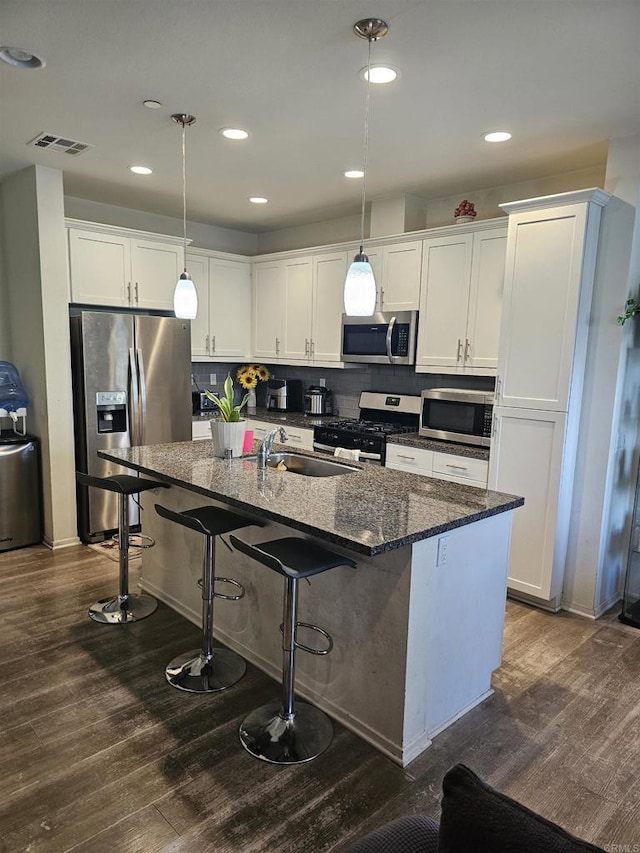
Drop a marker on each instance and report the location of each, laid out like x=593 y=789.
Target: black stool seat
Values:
x=125 y=607
x=124 y=484
x=288 y=733
x=208 y=669
x=206 y=519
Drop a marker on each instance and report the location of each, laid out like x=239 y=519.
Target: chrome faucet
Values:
x=266 y=446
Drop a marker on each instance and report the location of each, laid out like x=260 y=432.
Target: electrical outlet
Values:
x=322 y=382
x=443 y=548
x=212 y=379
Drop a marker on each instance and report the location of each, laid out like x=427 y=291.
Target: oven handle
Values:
x=363 y=454
x=392 y=323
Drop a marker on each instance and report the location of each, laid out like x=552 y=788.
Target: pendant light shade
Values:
x=360 y=288
x=185 y=295
x=360 y=283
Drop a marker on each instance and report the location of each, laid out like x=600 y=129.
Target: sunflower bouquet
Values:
x=250 y=374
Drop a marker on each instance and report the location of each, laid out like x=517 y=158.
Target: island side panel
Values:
x=456 y=623
x=362 y=682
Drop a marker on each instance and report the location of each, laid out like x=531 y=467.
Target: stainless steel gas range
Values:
x=381 y=415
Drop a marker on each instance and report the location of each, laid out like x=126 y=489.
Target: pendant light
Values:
x=185 y=296
x=360 y=283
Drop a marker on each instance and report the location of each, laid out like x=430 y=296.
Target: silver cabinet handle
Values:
x=467 y=346
x=213 y=344
x=129 y=292
x=206 y=344
x=313 y=348
x=294 y=435
x=381 y=297
x=136 y=292
x=403 y=456
x=459 y=353
x=457 y=467
x=277 y=346
x=306 y=346
x=498 y=388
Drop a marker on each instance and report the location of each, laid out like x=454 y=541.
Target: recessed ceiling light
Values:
x=353 y=173
x=152 y=105
x=497 y=136
x=381 y=74
x=258 y=199
x=20 y=58
x=141 y=170
x=233 y=133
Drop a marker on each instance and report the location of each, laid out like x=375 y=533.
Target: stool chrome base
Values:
x=119 y=610
x=267 y=735
x=195 y=673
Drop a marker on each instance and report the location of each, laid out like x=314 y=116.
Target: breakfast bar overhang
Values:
x=417 y=625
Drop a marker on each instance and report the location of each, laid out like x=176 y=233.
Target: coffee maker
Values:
x=318 y=401
x=285 y=395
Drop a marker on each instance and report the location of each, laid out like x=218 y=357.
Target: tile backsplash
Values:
x=347 y=384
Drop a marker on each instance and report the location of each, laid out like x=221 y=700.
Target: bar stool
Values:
x=125 y=607
x=208 y=670
x=288 y=733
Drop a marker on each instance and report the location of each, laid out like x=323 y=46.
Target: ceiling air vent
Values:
x=59 y=143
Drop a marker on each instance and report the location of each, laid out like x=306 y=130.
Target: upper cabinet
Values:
x=297 y=309
x=460 y=302
x=396 y=269
x=222 y=329
x=123 y=269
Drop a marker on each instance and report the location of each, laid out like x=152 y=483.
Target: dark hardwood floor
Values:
x=98 y=753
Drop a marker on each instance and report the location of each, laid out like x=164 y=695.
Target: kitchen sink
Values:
x=310 y=466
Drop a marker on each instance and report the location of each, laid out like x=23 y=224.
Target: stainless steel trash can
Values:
x=20 y=492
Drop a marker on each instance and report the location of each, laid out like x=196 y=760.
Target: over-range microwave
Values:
x=457 y=414
x=382 y=338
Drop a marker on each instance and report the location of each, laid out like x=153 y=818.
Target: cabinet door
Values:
x=268 y=305
x=444 y=298
x=526 y=460
x=229 y=309
x=329 y=272
x=545 y=250
x=298 y=282
x=298 y=437
x=155 y=268
x=413 y=459
x=100 y=268
x=401 y=276
x=198 y=268
x=485 y=299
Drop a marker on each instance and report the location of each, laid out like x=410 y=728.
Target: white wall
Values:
x=201 y=235
x=607 y=456
x=5 y=326
x=35 y=255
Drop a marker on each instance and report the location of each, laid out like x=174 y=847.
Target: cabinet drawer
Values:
x=260 y=428
x=200 y=430
x=413 y=459
x=461 y=467
x=300 y=437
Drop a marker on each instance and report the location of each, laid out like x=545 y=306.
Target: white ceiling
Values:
x=562 y=75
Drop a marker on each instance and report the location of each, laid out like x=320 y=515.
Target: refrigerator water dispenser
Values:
x=111 y=411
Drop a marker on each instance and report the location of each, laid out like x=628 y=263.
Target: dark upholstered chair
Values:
x=475 y=819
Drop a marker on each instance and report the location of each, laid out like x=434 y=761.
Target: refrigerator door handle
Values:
x=134 y=403
x=143 y=394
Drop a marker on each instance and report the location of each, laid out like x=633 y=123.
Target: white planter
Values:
x=227 y=436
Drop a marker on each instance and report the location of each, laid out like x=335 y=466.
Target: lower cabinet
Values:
x=297 y=437
x=440 y=466
x=200 y=430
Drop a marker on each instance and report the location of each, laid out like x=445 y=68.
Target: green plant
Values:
x=631 y=308
x=228 y=412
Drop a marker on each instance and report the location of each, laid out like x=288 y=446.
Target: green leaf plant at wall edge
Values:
x=631 y=309
x=228 y=412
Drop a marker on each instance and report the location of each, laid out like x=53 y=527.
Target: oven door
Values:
x=383 y=338
x=326 y=440
x=467 y=419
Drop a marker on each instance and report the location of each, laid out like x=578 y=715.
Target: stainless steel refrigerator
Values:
x=131 y=386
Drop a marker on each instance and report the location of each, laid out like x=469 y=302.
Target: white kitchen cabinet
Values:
x=460 y=302
x=222 y=329
x=399 y=289
x=297 y=308
x=415 y=460
x=527 y=460
x=267 y=310
x=200 y=430
x=329 y=273
x=297 y=437
x=122 y=269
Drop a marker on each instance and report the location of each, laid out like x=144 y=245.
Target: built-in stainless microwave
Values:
x=382 y=338
x=457 y=414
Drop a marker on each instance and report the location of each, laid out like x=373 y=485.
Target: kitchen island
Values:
x=417 y=625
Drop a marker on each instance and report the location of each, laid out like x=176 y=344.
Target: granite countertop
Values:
x=412 y=439
x=295 y=419
x=370 y=511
